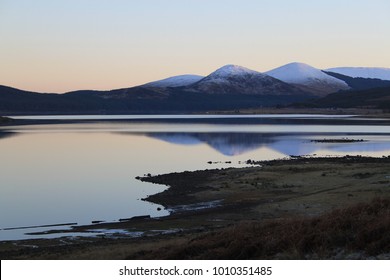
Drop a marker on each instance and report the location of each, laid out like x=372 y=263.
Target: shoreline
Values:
x=265 y=110
x=219 y=198
x=240 y=120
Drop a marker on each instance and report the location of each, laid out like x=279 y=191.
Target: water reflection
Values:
x=233 y=144
x=80 y=172
x=5 y=134
x=229 y=144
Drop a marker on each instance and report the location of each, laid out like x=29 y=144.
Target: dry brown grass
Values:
x=362 y=229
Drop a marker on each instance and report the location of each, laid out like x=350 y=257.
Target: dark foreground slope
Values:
x=378 y=98
x=15 y=101
x=356 y=232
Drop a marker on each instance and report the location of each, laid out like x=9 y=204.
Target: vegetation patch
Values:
x=360 y=231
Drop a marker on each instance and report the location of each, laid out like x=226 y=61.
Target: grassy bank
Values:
x=305 y=208
x=356 y=232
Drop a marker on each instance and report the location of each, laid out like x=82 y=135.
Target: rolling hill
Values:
x=308 y=78
x=378 y=98
x=230 y=87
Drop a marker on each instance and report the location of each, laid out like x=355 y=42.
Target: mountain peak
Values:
x=175 y=81
x=299 y=65
x=232 y=70
x=296 y=71
x=234 y=79
x=309 y=77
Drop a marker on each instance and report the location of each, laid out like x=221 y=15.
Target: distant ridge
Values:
x=363 y=72
x=360 y=83
x=230 y=87
x=176 y=81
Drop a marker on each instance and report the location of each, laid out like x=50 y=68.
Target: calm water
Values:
x=83 y=172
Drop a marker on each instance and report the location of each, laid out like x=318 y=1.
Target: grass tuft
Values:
x=361 y=230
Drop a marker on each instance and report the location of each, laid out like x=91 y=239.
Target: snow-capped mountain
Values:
x=228 y=88
x=308 y=78
x=234 y=79
x=363 y=72
x=176 y=81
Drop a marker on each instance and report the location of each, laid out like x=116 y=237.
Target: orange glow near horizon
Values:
x=59 y=47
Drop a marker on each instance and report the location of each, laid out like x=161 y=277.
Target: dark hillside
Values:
x=136 y=100
x=372 y=98
x=4 y=120
x=360 y=83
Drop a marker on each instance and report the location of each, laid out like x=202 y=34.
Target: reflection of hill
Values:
x=362 y=147
x=231 y=144
x=5 y=134
x=293 y=146
x=177 y=138
x=228 y=144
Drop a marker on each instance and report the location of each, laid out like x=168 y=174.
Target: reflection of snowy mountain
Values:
x=360 y=147
x=233 y=144
x=293 y=146
x=299 y=146
x=229 y=144
x=177 y=138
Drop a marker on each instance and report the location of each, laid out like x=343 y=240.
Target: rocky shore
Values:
x=208 y=203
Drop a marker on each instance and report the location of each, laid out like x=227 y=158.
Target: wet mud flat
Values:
x=228 y=202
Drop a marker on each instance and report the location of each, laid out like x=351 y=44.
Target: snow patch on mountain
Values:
x=234 y=79
x=176 y=81
x=363 y=72
x=232 y=70
x=301 y=73
x=310 y=78
x=230 y=73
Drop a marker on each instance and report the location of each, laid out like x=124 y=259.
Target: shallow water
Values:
x=84 y=172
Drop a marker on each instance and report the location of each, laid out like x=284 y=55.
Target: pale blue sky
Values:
x=58 y=46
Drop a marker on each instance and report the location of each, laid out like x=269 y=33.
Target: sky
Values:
x=64 y=45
